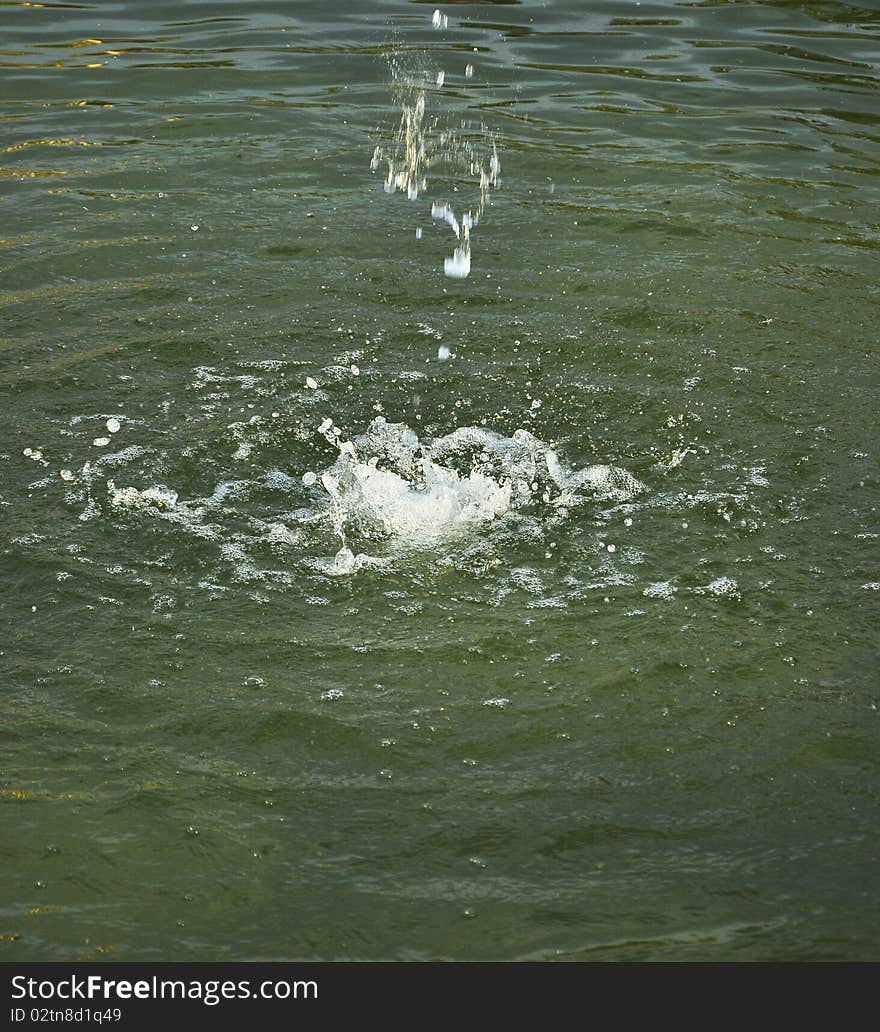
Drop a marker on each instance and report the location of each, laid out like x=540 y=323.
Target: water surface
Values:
x=626 y=710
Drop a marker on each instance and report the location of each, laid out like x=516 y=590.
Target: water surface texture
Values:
x=439 y=480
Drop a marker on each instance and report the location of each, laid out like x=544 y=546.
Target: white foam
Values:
x=721 y=587
x=279 y=534
x=661 y=589
x=132 y=498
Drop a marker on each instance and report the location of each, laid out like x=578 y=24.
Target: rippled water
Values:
x=353 y=610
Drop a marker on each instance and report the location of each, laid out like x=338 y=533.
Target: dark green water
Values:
x=508 y=742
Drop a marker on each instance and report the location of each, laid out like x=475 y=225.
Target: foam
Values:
x=150 y=498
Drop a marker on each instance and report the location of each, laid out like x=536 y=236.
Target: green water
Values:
x=513 y=742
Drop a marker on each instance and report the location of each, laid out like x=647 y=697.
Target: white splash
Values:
x=386 y=484
x=459 y=265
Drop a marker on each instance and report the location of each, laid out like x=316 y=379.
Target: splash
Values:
x=425 y=150
x=386 y=484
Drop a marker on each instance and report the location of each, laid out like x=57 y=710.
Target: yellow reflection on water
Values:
x=51 y=143
x=24 y=173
